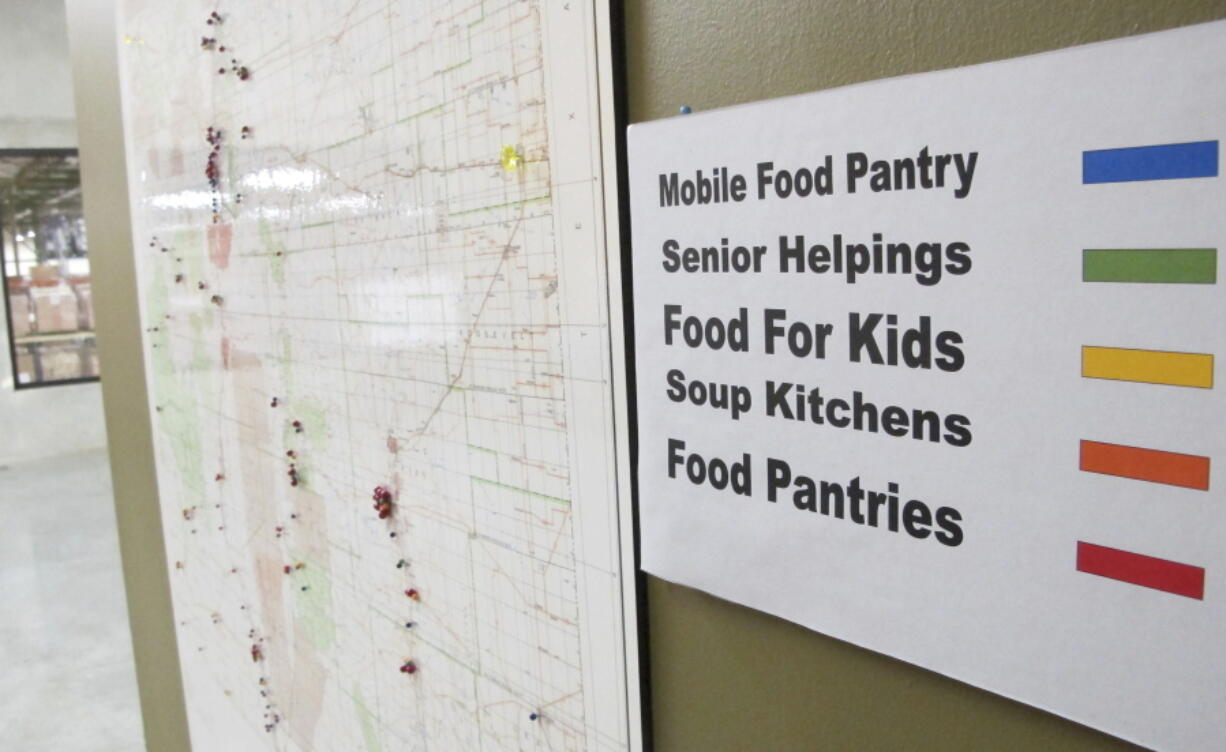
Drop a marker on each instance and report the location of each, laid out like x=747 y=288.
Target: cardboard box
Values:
x=44 y=274
x=19 y=311
x=55 y=308
x=60 y=362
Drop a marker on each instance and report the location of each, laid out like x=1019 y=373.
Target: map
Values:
x=371 y=252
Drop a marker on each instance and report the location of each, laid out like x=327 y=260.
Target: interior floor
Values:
x=68 y=682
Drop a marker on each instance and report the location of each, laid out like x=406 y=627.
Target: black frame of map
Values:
x=621 y=107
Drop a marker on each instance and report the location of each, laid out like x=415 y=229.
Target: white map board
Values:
x=371 y=250
x=960 y=407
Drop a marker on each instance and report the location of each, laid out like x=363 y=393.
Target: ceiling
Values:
x=33 y=184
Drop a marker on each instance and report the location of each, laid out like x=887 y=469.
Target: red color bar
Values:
x=1137 y=569
x=1153 y=465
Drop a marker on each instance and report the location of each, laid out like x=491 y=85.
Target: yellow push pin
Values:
x=510 y=158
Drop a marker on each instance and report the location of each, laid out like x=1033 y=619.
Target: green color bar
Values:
x=1195 y=266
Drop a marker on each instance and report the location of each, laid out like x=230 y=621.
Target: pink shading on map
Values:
x=219 y=244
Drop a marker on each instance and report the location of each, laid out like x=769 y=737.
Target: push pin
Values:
x=297 y=426
x=291 y=454
x=383 y=502
x=412 y=593
x=685 y=109
x=409 y=624
x=274 y=402
x=243 y=73
x=257 y=655
x=219 y=477
x=408 y=667
x=178 y=278
x=216 y=300
x=245 y=132
x=534 y=716
x=201 y=286
x=510 y=158
x=401 y=564
x=287 y=569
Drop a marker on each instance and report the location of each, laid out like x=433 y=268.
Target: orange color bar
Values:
x=1153 y=465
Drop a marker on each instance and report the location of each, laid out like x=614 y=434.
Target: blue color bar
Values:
x=1197 y=159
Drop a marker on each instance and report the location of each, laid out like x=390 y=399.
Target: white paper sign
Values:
x=928 y=365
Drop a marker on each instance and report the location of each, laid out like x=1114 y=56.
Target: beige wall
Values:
x=724 y=677
x=36 y=111
x=94 y=42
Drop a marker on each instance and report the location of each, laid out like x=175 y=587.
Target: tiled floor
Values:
x=67 y=681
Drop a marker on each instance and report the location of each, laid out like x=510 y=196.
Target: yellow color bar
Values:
x=1147 y=366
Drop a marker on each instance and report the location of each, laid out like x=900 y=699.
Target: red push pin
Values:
x=412 y=593
x=274 y=402
x=287 y=569
x=297 y=426
x=383 y=502
x=408 y=667
x=256 y=654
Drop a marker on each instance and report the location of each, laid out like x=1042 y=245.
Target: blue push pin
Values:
x=685 y=109
x=534 y=716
